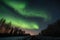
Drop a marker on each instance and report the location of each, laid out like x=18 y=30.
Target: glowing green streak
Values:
x=23 y=23
x=34 y=13
x=16 y=5
x=20 y=7
x=18 y=22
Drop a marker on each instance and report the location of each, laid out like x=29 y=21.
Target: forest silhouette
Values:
x=6 y=29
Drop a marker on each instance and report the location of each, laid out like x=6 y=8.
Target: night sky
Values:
x=30 y=15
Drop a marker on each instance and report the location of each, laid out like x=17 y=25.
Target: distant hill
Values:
x=52 y=30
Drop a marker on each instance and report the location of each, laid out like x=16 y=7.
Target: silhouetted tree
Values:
x=15 y=31
x=11 y=30
x=8 y=30
x=2 y=22
x=8 y=26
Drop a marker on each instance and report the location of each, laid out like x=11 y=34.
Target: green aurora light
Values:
x=18 y=22
x=21 y=9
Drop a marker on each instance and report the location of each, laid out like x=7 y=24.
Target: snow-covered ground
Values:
x=29 y=38
x=14 y=38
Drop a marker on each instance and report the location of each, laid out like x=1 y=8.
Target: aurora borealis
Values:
x=19 y=22
x=20 y=7
x=32 y=15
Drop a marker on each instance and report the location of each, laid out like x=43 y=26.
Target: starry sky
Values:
x=30 y=15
